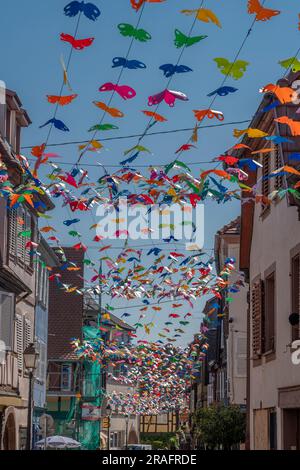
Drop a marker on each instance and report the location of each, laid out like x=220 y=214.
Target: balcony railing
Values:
x=9 y=371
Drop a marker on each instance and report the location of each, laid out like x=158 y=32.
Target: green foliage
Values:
x=220 y=426
x=159 y=440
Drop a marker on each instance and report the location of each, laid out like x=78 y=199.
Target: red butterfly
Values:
x=262 y=14
x=77 y=43
x=185 y=147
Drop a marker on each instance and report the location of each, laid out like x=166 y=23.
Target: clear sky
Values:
x=30 y=65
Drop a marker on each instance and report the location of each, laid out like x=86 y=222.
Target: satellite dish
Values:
x=294 y=319
x=46 y=423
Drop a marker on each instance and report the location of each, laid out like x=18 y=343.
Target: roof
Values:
x=48 y=253
x=233 y=228
x=265 y=122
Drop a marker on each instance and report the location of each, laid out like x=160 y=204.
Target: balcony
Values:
x=9 y=373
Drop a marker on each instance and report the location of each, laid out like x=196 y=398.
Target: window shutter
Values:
x=7 y=319
x=27 y=333
x=28 y=225
x=12 y=222
x=20 y=342
x=265 y=172
x=257 y=295
x=278 y=164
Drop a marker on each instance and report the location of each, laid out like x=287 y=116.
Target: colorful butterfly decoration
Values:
x=137 y=4
x=210 y=113
x=262 y=14
x=169 y=96
x=291 y=62
x=125 y=91
x=157 y=117
x=128 y=30
x=203 y=14
x=77 y=44
x=128 y=64
x=88 y=9
x=234 y=69
x=61 y=100
x=182 y=40
x=170 y=69
x=114 y=112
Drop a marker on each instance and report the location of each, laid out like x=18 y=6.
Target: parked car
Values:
x=138 y=447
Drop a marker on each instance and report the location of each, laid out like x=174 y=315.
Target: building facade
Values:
x=46 y=260
x=17 y=280
x=270 y=253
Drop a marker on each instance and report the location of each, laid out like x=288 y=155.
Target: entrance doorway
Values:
x=9 y=436
x=291 y=429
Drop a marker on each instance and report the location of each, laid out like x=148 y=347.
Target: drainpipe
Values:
x=248 y=382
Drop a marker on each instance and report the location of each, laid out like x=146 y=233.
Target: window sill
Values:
x=270 y=355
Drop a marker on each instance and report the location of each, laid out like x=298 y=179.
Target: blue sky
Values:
x=30 y=65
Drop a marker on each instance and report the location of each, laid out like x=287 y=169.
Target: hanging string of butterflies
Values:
x=156 y=273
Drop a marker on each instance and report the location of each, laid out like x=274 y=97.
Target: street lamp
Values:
x=30 y=357
x=109 y=413
x=126 y=431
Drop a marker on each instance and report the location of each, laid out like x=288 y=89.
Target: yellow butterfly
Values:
x=252 y=133
x=203 y=14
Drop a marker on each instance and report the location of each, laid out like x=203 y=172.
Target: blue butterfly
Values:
x=277 y=139
x=223 y=91
x=128 y=64
x=155 y=251
x=294 y=156
x=251 y=164
x=130 y=159
x=170 y=69
x=57 y=124
x=271 y=106
x=70 y=222
x=88 y=9
x=168 y=240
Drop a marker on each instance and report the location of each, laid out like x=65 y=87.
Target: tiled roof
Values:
x=233 y=228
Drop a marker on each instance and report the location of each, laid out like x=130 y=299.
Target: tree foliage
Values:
x=220 y=426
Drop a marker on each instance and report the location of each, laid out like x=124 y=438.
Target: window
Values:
x=257 y=304
x=20 y=220
x=66 y=375
x=7 y=307
x=295 y=287
x=269 y=318
x=241 y=356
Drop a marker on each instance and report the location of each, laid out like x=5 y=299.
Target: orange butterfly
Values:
x=38 y=150
x=114 y=112
x=262 y=14
x=156 y=116
x=61 y=100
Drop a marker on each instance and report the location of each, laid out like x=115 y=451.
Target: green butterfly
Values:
x=103 y=127
x=183 y=40
x=291 y=62
x=128 y=30
x=176 y=163
x=234 y=69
